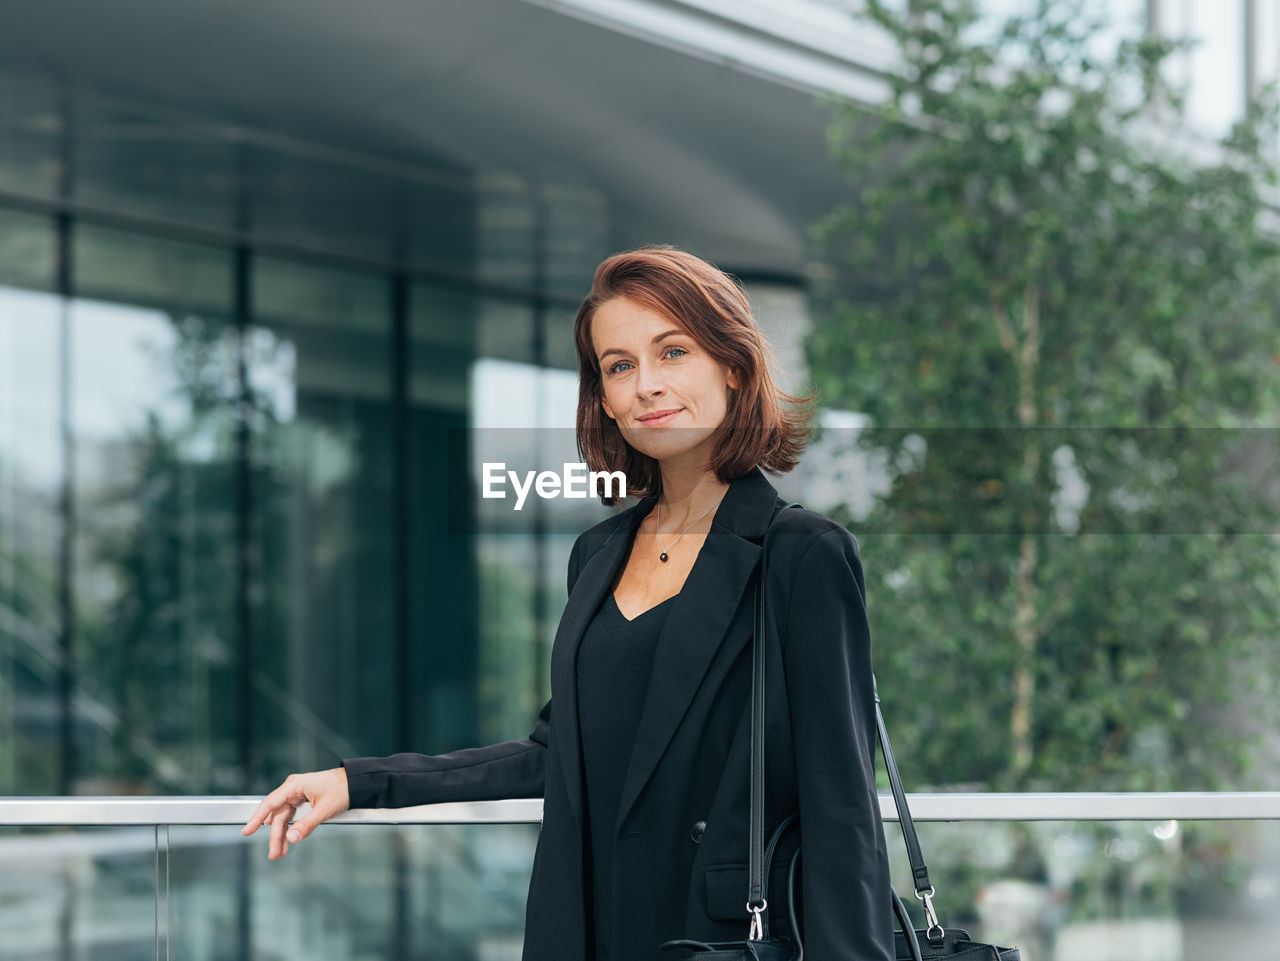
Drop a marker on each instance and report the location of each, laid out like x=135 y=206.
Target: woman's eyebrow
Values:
x=666 y=333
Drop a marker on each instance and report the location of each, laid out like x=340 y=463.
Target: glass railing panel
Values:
x=349 y=891
x=1100 y=890
x=77 y=893
x=1186 y=889
x=331 y=897
x=467 y=887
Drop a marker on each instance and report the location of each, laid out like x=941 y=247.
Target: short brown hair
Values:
x=763 y=426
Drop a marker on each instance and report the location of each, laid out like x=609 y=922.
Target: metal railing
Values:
x=1181 y=806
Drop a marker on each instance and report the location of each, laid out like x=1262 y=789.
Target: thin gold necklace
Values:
x=663 y=556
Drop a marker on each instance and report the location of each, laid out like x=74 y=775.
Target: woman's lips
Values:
x=660 y=419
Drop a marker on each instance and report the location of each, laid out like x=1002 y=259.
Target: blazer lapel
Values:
x=692 y=632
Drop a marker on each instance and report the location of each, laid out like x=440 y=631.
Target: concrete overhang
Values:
x=698 y=122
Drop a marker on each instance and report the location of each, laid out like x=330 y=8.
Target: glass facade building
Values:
x=230 y=374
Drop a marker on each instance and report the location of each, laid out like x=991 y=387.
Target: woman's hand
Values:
x=325 y=791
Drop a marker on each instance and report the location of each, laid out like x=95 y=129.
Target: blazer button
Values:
x=695 y=832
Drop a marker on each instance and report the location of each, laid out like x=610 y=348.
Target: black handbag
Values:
x=928 y=944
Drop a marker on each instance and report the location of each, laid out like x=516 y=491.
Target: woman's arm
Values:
x=511 y=769
x=827 y=658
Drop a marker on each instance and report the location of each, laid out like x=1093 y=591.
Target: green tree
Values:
x=1064 y=333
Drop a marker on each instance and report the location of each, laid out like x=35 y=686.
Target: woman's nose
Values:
x=649 y=380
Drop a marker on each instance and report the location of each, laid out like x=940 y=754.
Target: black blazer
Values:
x=680 y=863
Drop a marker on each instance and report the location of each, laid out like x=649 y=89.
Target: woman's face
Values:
x=665 y=392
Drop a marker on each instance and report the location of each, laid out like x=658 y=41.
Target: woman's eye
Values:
x=621 y=366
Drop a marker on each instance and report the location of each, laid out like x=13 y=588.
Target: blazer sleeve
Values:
x=848 y=913
x=510 y=769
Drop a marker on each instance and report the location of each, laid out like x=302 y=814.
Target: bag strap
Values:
x=919 y=870
x=756 y=903
x=756 y=859
x=760 y=857
x=756 y=854
x=907 y=926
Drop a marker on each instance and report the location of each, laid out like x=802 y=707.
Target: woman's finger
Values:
x=266 y=807
x=260 y=814
x=305 y=825
x=273 y=836
x=277 y=847
x=270 y=804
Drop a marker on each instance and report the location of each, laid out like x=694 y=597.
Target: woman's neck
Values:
x=686 y=494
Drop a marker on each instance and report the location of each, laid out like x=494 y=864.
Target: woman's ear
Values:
x=604 y=404
x=733 y=379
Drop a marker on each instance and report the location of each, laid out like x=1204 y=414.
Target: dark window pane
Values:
x=27 y=250
x=323 y=671
x=116 y=265
x=31 y=473
x=153 y=162
x=30 y=121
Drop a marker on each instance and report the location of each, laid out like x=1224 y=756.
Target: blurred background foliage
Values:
x=1064 y=334
x=1067 y=350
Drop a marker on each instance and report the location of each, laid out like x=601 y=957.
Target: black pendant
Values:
x=662 y=556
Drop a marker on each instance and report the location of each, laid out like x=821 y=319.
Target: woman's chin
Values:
x=665 y=443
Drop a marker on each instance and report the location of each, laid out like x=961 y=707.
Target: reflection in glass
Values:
x=121 y=266
x=1059 y=890
x=320 y=481
x=1084 y=891
x=154 y=162
x=31 y=476
x=308 y=198
x=443 y=619
x=26 y=250
x=86 y=892
x=576 y=238
x=335 y=896
x=30 y=125
x=153 y=414
x=260 y=578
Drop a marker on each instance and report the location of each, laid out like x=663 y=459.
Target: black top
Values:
x=614 y=662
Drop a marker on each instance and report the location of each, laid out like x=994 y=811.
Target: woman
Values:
x=643 y=760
